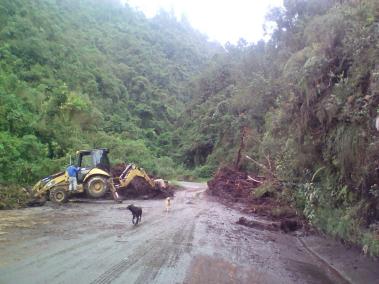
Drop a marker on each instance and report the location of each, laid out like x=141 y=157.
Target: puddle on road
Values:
x=207 y=269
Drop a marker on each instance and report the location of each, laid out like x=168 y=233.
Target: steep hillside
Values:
x=79 y=74
x=304 y=104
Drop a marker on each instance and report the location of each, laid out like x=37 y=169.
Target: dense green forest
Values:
x=82 y=74
x=93 y=73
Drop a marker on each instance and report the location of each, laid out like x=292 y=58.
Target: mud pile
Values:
x=261 y=197
x=139 y=188
x=231 y=184
x=286 y=225
x=117 y=169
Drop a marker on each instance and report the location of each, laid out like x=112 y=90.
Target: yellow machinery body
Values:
x=44 y=186
x=95 y=181
x=131 y=171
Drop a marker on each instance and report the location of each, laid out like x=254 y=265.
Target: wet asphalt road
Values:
x=196 y=242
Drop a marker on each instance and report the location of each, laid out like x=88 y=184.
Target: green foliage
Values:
x=72 y=77
x=371 y=241
x=23 y=160
x=12 y=197
x=205 y=171
x=265 y=190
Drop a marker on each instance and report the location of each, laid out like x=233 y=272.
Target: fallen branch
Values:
x=268 y=161
x=253 y=179
x=259 y=164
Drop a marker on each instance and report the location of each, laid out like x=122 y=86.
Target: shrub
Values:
x=12 y=197
x=205 y=171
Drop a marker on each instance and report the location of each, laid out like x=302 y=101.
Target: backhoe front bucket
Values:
x=34 y=200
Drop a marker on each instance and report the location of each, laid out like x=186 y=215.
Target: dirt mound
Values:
x=117 y=169
x=286 y=225
x=139 y=188
x=253 y=195
x=232 y=184
x=270 y=226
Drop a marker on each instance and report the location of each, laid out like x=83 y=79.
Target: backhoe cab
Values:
x=94 y=172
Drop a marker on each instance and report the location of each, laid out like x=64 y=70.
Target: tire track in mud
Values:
x=104 y=257
x=174 y=246
x=168 y=255
x=112 y=273
x=81 y=244
x=50 y=264
x=60 y=262
x=106 y=249
x=103 y=251
x=153 y=255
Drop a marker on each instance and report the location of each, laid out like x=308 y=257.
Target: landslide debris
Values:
x=231 y=184
x=257 y=195
x=286 y=225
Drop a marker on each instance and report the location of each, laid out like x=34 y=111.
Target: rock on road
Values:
x=196 y=242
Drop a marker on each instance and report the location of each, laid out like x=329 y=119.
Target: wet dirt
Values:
x=231 y=186
x=198 y=241
x=139 y=188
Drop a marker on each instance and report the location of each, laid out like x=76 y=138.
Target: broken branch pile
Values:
x=232 y=184
x=255 y=194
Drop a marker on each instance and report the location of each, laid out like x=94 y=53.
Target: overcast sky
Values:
x=225 y=20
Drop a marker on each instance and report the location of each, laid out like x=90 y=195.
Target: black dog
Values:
x=137 y=213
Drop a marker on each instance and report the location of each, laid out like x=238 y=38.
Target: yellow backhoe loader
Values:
x=94 y=179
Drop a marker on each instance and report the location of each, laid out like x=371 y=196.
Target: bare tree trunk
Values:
x=241 y=148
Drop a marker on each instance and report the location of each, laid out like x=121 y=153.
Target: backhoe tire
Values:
x=59 y=195
x=97 y=186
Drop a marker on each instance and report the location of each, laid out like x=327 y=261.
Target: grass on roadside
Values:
x=12 y=197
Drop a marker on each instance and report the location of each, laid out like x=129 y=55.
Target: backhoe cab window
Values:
x=86 y=161
x=101 y=161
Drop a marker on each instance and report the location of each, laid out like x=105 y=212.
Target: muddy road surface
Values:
x=198 y=241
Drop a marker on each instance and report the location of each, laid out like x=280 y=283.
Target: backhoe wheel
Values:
x=59 y=195
x=97 y=186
